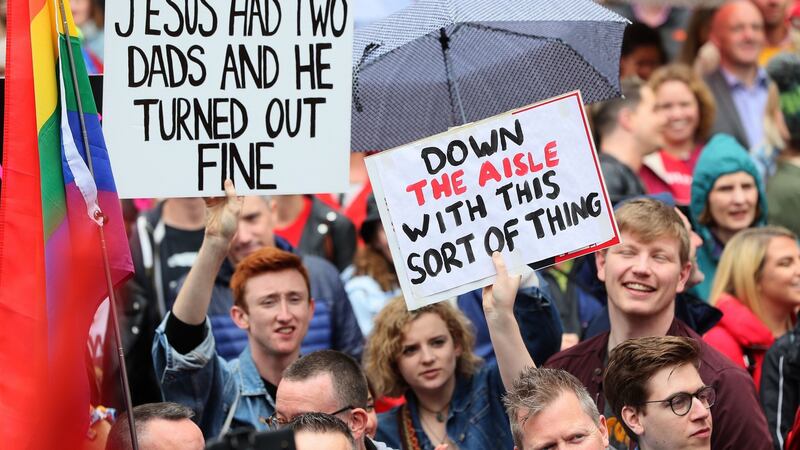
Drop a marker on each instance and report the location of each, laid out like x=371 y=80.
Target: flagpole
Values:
x=100 y=219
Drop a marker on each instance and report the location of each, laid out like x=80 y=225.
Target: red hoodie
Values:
x=741 y=336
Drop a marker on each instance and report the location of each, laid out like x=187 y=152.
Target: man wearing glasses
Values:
x=653 y=386
x=642 y=276
x=330 y=382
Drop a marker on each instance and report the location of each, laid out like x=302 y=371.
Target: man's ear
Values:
x=358 y=423
x=625 y=118
x=633 y=419
x=686 y=272
x=312 y=305
x=600 y=264
x=240 y=317
x=604 y=430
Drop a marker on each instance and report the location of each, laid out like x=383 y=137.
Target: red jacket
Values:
x=741 y=336
x=738 y=420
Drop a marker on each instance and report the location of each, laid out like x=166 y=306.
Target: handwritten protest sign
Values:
x=253 y=90
x=526 y=183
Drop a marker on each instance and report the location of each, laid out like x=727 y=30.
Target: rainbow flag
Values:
x=51 y=266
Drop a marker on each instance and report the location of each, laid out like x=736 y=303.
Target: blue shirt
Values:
x=751 y=103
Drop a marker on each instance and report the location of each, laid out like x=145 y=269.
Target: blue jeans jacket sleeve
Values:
x=199 y=379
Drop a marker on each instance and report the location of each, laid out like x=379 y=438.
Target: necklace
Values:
x=440 y=416
x=429 y=431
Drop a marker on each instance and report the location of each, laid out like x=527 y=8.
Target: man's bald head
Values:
x=737 y=30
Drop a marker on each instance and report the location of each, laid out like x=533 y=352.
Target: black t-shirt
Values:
x=178 y=252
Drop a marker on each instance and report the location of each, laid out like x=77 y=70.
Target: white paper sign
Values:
x=526 y=183
x=254 y=90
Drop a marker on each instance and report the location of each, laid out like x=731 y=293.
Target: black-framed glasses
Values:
x=276 y=421
x=681 y=403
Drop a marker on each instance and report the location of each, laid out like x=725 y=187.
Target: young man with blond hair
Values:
x=642 y=275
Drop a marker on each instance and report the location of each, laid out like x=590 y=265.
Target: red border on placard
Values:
x=614 y=240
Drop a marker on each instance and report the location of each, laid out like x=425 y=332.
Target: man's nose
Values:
x=699 y=411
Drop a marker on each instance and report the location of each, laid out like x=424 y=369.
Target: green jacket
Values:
x=722 y=155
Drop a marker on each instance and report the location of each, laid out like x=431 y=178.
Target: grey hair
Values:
x=535 y=389
x=322 y=423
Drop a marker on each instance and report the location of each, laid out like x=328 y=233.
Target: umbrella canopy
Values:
x=683 y=3
x=442 y=63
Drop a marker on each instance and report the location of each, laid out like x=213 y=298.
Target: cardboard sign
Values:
x=253 y=90
x=525 y=183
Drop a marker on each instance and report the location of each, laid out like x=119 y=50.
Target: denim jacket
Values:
x=477 y=419
x=211 y=386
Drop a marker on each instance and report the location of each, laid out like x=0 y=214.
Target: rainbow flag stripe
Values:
x=51 y=265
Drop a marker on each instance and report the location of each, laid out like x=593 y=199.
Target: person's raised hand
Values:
x=222 y=214
x=500 y=296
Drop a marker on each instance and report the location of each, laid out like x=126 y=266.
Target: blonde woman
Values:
x=757 y=288
x=688 y=105
x=452 y=399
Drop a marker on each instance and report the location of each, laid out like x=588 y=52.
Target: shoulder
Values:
x=716 y=366
x=324 y=213
x=388 y=427
x=579 y=354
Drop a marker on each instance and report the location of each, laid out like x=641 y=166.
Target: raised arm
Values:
x=498 y=305
x=222 y=217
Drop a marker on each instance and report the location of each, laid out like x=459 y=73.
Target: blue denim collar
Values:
x=460 y=401
x=250 y=378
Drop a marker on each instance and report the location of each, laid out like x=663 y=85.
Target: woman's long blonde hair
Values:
x=386 y=340
x=741 y=265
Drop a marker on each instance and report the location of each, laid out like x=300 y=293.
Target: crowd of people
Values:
x=285 y=312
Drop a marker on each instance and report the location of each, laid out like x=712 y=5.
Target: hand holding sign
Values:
x=498 y=298
x=222 y=215
x=525 y=184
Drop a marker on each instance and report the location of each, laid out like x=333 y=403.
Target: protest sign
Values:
x=525 y=183
x=257 y=91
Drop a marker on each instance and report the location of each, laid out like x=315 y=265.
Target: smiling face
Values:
x=658 y=427
x=779 y=283
x=563 y=424
x=278 y=312
x=428 y=355
x=642 y=278
x=679 y=106
x=738 y=33
x=732 y=203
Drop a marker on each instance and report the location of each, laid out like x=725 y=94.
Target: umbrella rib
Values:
x=452 y=83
